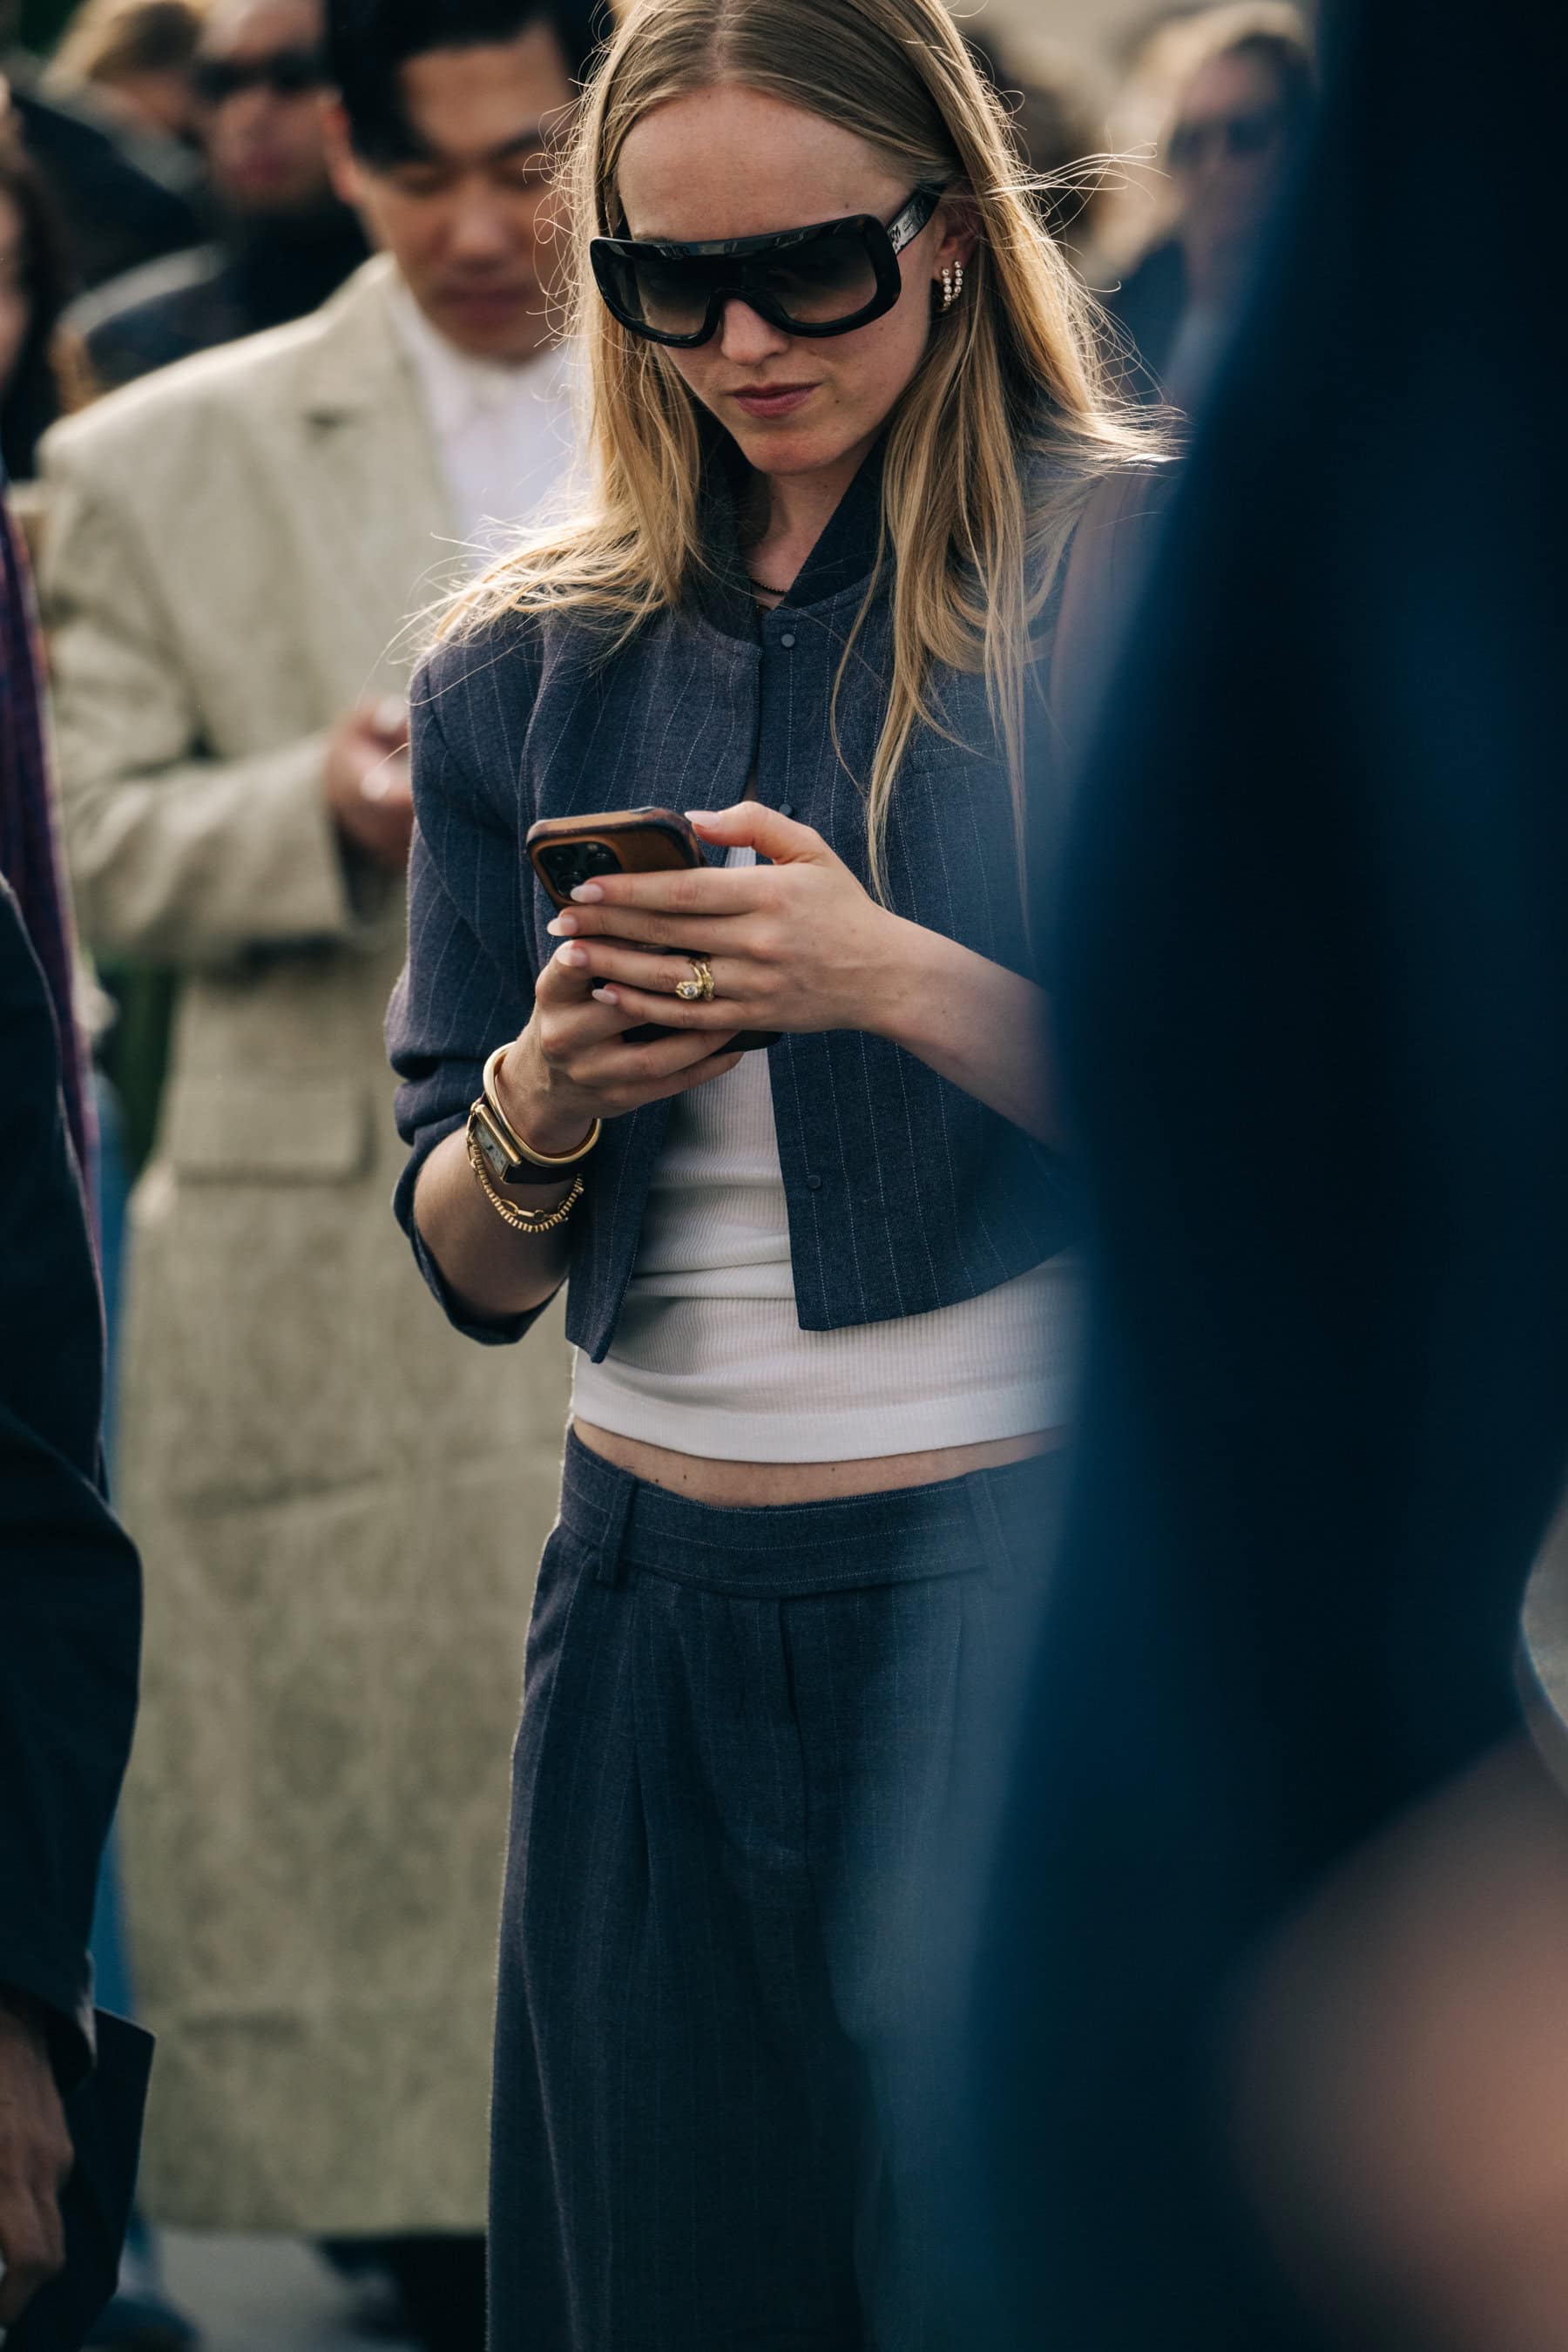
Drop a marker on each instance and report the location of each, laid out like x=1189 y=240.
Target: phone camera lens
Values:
x=574 y=862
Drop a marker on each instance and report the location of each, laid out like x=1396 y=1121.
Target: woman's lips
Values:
x=776 y=400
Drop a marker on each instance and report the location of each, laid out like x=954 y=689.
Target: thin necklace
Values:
x=762 y=588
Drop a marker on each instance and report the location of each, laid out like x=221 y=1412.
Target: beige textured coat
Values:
x=340 y=1501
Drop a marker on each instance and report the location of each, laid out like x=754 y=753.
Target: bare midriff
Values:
x=731 y=1486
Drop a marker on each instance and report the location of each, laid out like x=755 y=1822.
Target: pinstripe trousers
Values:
x=757 y=1757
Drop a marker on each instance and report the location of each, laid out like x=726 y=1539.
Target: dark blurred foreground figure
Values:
x=1242 y=112
x=70 y=2084
x=34 y=286
x=1315 y=1027
x=286 y=241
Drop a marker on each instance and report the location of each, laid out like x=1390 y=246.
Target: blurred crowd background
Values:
x=233 y=772
x=164 y=186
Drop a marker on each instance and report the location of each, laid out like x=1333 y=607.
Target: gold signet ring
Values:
x=698 y=990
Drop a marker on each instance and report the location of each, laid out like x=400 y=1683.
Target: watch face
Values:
x=503 y=1167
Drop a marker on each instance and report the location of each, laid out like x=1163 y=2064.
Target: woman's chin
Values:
x=785 y=451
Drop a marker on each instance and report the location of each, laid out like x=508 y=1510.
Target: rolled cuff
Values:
x=509 y=1330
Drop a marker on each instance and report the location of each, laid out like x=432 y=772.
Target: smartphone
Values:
x=565 y=850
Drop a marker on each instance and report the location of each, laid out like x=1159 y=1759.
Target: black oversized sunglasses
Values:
x=287 y=73
x=821 y=281
x=1239 y=135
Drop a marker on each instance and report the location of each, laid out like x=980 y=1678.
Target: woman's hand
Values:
x=796 y=945
x=572 y=1065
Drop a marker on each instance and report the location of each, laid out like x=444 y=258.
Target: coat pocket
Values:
x=268 y=1128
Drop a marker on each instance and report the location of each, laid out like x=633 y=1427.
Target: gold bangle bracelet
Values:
x=522 y=1151
x=522 y=1221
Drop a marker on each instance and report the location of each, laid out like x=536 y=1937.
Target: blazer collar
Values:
x=377 y=488
x=357 y=361
x=842 y=558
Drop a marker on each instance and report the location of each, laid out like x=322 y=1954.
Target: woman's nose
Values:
x=745 y=334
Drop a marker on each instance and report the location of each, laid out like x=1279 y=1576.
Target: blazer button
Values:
x=786 y=808
x=787 y=641
x=813 y=1183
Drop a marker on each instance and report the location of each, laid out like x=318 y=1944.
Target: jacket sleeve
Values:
x=467 y=984
x=176 y=857
x=70 y=1582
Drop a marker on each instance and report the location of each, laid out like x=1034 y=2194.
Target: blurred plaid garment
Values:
x=30 y=845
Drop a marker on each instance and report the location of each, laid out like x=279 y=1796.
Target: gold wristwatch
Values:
x=511 y=1161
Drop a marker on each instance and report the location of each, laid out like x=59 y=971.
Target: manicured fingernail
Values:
x=699 y=816
x=572 y=957
x=587 y=894
x=605 y=996
x=564 y=927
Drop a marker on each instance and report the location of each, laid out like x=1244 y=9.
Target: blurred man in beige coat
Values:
x=341 y=1503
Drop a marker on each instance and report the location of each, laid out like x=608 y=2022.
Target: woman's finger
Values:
x=750 y=824
x=571 y=1019
x=617 y=1066
x=692 y=934
x=563 y=982
x=608 y=960
x=636 y=1007
x=685 y=891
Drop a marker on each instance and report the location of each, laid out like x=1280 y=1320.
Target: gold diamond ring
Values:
x=698 y=990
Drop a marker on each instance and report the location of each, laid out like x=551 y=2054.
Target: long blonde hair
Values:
x=1012 y=373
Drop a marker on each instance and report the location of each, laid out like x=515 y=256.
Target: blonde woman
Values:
x=847 y=419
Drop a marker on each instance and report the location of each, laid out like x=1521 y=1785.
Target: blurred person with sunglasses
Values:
x=286 y=240
x=1244 y=98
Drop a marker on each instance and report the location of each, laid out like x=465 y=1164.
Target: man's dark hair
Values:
x=370 y=42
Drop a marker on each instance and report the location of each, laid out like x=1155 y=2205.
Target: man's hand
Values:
x=36 y=2158
x=367 y=782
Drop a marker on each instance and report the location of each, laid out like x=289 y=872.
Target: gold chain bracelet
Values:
x=522 y=1221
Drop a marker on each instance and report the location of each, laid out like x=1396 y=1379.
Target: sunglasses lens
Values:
x=1237 y=135
x=287 y=73
x=294 y=72
x=670 y=296
x=831 y=277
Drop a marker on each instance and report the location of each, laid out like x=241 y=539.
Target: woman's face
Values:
x=732 y=162
x=16 y=305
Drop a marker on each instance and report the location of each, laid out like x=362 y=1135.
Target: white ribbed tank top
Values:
x=709 y=1357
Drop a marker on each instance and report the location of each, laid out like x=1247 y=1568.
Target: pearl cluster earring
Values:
x=952 y=285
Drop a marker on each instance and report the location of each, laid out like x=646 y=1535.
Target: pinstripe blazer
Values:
x=904 y=1194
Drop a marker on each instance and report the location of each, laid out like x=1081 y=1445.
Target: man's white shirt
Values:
x=505 y=435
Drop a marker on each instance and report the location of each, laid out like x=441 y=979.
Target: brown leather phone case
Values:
x=567 y=850
x=628 y=841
